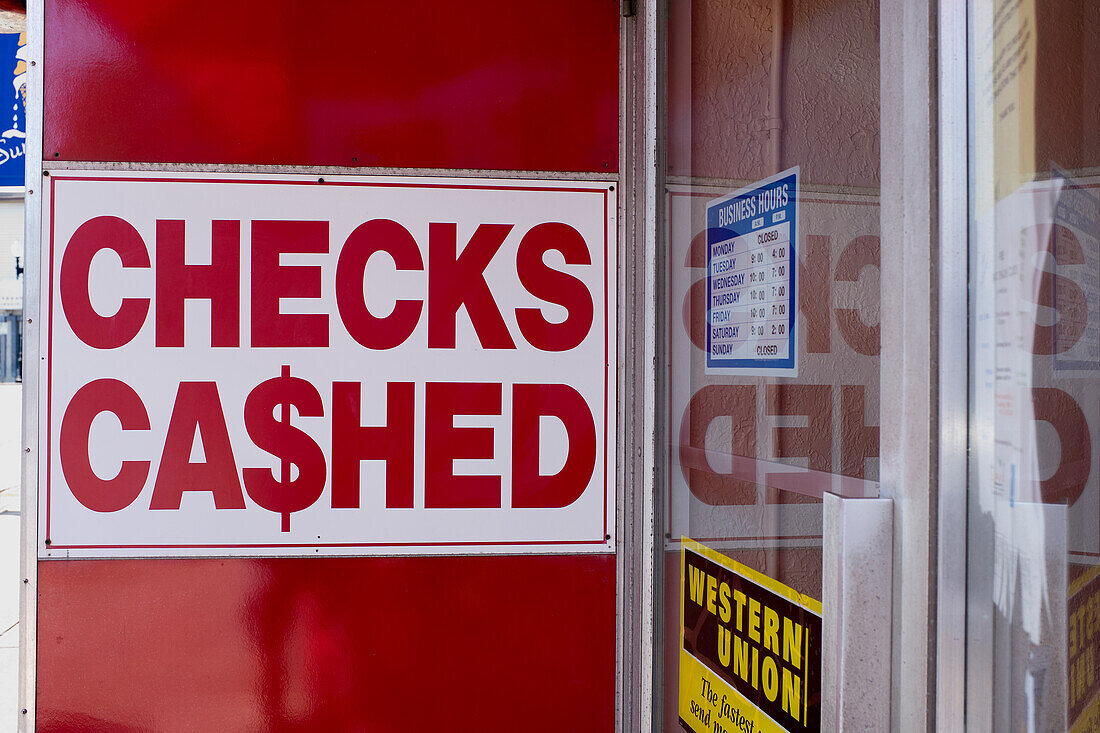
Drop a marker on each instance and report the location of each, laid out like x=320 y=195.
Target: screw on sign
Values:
x=284 y=495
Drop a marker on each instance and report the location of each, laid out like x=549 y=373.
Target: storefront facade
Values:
x=389 y=368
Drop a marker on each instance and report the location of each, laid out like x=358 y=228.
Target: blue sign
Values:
x=13 y=126
x=752 y=237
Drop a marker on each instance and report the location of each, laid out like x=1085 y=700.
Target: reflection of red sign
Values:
x=1062 y=412
x=814 y=402
x=738 y=443
x=733 y=443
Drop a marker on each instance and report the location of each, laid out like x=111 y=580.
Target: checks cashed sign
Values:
x=279 y=364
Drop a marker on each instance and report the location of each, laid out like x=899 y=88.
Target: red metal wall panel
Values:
x=492 y=84
x=348 y=644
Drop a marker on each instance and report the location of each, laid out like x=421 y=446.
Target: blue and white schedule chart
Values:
x=751 y=263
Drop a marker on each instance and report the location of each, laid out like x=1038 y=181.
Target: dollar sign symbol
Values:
x=291 y=445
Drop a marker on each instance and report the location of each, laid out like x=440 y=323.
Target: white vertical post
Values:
x=953 y=374
x=639 y=564
x=909 y=417
x=857 y=596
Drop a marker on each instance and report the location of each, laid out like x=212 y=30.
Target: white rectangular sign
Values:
x=283 y=365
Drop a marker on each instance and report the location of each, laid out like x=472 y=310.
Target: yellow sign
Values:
x=750 y=649
x=1005 y=57
x=1014 y=46
x=1083 y=621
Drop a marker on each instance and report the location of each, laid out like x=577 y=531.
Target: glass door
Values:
x=1033 y=575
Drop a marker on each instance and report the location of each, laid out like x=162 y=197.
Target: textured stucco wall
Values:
x=720 y=59
x=1067 y=89
x=831 y=91
x=724 y=118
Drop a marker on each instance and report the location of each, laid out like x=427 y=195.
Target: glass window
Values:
x=772 y=262
x=1034 y=522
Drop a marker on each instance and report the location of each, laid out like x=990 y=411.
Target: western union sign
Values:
x=750 y=649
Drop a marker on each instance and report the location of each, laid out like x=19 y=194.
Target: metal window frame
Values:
x=639 y=568
x=954 y=365
x=28 y=556
x=923 y=410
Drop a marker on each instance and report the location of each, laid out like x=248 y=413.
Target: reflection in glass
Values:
x=1034 y=528
x=757 y=88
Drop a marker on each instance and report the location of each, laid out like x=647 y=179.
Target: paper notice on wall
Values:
x=1005 y=63
x=1008 y=298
